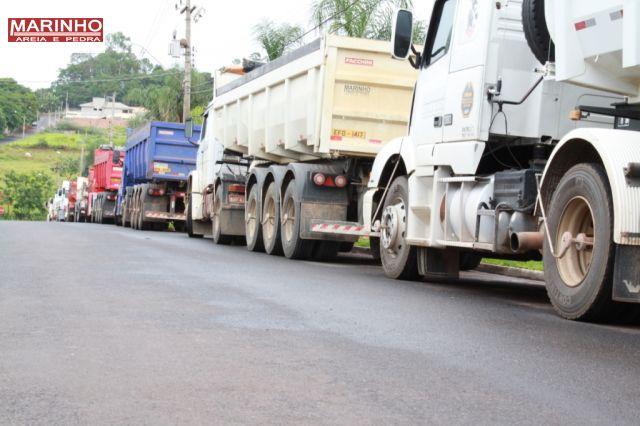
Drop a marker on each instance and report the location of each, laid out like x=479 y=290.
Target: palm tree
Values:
x=361 y=18
x=275 y=39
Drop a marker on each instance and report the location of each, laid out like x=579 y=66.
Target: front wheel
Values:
x=580 y=223
x=399 y=258
x=189 y=223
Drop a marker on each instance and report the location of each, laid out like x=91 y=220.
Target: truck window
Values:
x=438 y=43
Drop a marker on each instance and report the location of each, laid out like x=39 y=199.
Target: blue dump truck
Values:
x=157 y=164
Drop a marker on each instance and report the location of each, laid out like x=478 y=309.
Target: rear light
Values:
x=155 y=192
x=319 y=179
x=235 y=187
x=340 y=181
x=111 y=197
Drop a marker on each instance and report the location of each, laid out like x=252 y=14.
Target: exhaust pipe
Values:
x=523 y=242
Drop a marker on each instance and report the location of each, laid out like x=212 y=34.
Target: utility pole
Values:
x=66 y=107
x=186 y=44
x=113 y=107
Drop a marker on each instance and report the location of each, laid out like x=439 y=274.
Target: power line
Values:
x=140 y=77
x=340 y=12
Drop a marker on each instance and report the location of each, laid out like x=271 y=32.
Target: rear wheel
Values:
x=253 y=229
x=399 y=258
x=271 y=221
x=293 y=246
x=136 y=207
x=326 y=250
x=469 y=261
x=580 y=222
x=216 y=225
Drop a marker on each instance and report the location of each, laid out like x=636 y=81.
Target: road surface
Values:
x=100 y=324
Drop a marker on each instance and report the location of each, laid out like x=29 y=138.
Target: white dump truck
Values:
x=294 y=141
x=60 y=203
x=523 y=143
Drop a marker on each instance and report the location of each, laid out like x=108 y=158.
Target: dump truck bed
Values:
x=159 y=151
x=334 y=97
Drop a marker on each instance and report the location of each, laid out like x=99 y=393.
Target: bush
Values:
x=25 y=195
x=42 y=143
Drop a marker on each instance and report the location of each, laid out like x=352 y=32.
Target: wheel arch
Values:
x=613 y=150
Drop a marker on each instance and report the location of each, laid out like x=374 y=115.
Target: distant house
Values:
x=100 y=108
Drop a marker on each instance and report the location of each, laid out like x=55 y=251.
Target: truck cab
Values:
x=504 y=157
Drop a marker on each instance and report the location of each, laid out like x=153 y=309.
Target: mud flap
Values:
x=438 y=263
x=626 y=274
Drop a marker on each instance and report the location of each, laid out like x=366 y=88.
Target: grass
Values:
x=534 y=265
x=362 y=242
x=56 y=153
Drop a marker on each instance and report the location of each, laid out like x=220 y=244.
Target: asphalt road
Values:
x=100 y=324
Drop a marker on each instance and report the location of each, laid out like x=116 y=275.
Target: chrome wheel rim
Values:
x=269 y=219
x=288 y=219
x=575 y=238
x=251 y=218
x=393 y=227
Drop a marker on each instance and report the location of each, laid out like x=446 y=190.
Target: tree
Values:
x=18 y=105
x=26 y=194
x=275 y=39
x=361 y=18
x=135 y=81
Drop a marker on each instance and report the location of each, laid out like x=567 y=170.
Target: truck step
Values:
x=342 y=228
x=164 y=215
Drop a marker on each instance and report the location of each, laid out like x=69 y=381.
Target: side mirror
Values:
x=116 y=157
x=188 y=128
x=401 y=34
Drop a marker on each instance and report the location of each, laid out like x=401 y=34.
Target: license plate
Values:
x=235 y=198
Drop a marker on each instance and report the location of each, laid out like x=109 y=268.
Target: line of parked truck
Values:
x=513 y=133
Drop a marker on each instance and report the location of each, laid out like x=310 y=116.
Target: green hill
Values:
x=57 y=154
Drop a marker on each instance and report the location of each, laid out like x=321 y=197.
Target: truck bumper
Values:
x=156 y=216
x=314 y=213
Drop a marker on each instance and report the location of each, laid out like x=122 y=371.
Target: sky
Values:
x=222 y=34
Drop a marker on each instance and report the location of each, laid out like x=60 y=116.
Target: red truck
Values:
x=105 y=177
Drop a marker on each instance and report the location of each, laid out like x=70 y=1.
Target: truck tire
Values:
x=399 y=258
x=143 y=225
x=374 y=246
x=125 y=210
x=216 y=225
x=579 y=283
x=252 y=226
x=536 y=32
x=271 y=221
x=134 y=210
x=326 y=250
x=469 y=261
x=189 y=223
x=293 y=246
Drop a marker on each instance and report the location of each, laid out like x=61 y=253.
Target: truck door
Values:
x=429 y=105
